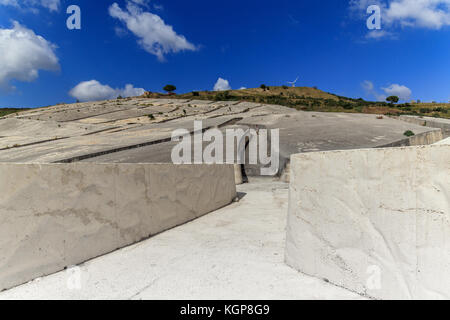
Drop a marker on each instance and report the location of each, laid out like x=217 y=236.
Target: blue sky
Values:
x=192 y=43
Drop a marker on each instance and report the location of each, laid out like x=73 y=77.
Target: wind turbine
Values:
x=293 y=82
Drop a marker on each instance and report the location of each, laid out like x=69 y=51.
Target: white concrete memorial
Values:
x=56 y=215
x=375 y=221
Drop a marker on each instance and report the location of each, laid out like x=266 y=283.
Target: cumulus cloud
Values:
x=370 y=90
x=380 y=34
x=423 y=13
x=93 y=91
x=222 y=85
x=9 y=3
x=403 y=92
x=23 y=54
x=154 y=35
x=432 y=14
x=367 y=85
x=52 y=5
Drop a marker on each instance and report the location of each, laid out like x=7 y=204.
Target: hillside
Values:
x=312 y=99
x=305 y=99
x=6 y=111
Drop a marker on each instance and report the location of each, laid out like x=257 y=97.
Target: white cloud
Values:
x=93 y=91
x=154 y=35
x=52 y=5
x=360 y=6
x=379 y=34
x=23 y=54
x=419 y=13
x=367 y=85
x=370 y=90
x=242 y=88
x=9 y=3
x=431 y=14
x=403 y=92
x=222 y=85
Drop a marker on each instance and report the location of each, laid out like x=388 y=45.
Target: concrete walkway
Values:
x=233 y=253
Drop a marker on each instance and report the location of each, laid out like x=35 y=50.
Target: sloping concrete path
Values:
x=233 y=253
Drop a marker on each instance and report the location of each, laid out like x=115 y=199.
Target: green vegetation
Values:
x=151 y=117
x=170 y=88
x=6 y=111
x=392 y=99
x=409 y=133
x=310 y=99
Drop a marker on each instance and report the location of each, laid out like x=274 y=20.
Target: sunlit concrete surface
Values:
x=56 y=215
x=139 y=130
x=443 y=124
x=234 y=253
x=375 y=221
x=445 y=141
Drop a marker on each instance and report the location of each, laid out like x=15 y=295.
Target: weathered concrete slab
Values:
x=232 y=253
x=445 y=141
x=123 y=130
x=57 y=215
x=375 y=221
x=440 y=123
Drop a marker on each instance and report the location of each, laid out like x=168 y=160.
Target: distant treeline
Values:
x=6 y=111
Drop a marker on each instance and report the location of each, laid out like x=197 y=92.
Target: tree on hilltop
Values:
x=392 y=99
x=170 y=88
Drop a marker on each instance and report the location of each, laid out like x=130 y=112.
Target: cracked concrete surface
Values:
x=375 y=221
x=233 y=253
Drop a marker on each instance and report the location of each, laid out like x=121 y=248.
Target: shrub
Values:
x=393 y=99
x=409 y=133
x=195 y=93
x=170 y=88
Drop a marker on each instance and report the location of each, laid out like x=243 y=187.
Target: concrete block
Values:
x=444 y=141
x=57 y=215
x=374 y=221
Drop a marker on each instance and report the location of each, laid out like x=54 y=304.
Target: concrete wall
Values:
x=445 y=141
x=57 y=215
x=420 y=139
x=375 y=221
x=443 y=124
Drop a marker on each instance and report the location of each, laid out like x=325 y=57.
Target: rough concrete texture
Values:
x=443 y=124
x=445 y=141
x=236 y=252
x=138 y=130
x=375 y=221
x=56 y=215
